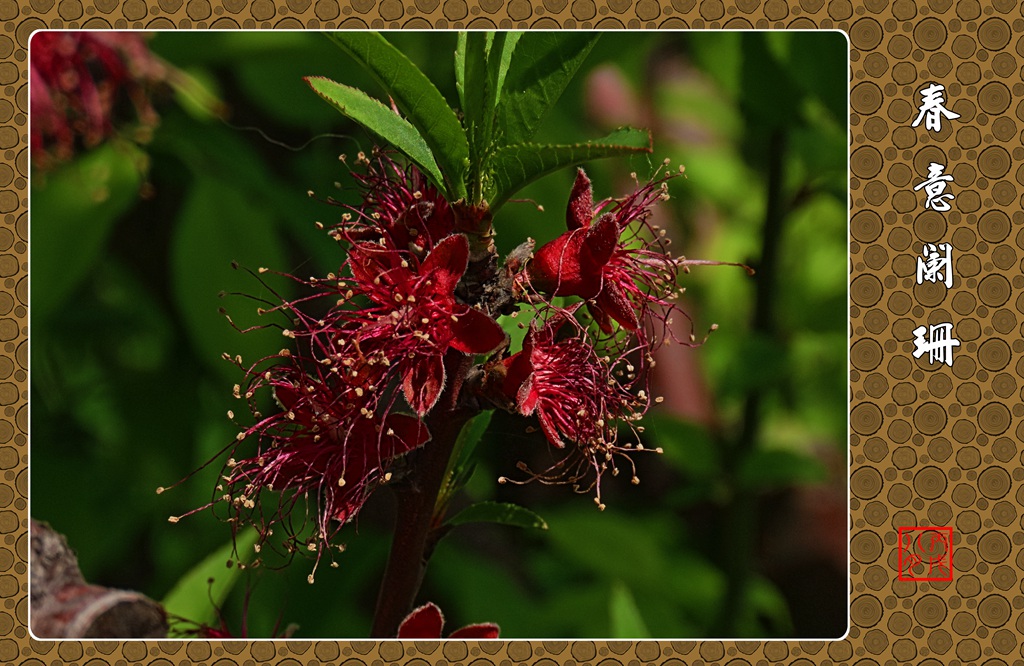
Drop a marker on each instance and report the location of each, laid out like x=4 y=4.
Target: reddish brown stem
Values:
x=414 y=519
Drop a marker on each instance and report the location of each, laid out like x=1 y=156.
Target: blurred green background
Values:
x=739 y=529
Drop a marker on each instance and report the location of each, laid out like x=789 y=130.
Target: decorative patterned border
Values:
x=932 y=445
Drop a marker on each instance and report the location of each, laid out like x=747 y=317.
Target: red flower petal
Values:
x=601 y=317
x=424 y=622
x=424 y=382
x=559 y=267
x=581 y=203
x=409 y=432
x=600 y=243
x=517 y=369
x=446 y=263
x=476 y=631
x=368 y=261
x=550 y=431
x=527 y=397
x=613 y=301
x=287 y=397
x=476 y=333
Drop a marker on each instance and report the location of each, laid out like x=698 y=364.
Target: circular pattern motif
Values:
x=930 y=610
x=930 y=418
x=994 y=290
x=994 y=418
x=930 y=34
x=929 y=482
x=994 y=162
x=865 y=483
x=994 y=483
x=866 y=610
x=866 y=290
x=866 y=418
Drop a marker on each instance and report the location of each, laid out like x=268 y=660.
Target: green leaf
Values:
x=625 y=618
x=477 y=115
x=382 y=121
x=474 y=75
x=545 y=62
x=499 y=59
x=194 y=597
x=775 y=468
x=461 y=462
x=74 y=209
x=418 y=98
x=481 y=63
x=499 y=512
x=767 y=603
x=513 y=167
x=461 y=45
x=197 y=93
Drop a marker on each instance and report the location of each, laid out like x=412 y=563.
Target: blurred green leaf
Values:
x=587 y=536
x=503 y=513
x=764 y=80
x=382 y=121
x=764 y=469
x=687 y=446
x=626 y=620
x=516 y=327
x=543 y=65
x=197 y=93
x=811 y=59
x=420 y=101
x=720 y=56
x=197 y=599
x=218 y=224
x=82 y=200
x=513 y=167
x=768 y=613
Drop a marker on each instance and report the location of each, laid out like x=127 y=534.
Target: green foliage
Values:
x=212 y=219
x=215 y=575
x=84 y=200
x=625 y=618
x=515 y=166
x=418 y=99
x=545 y=64
x=382 y=121
x=462 y=462
x=486 y=157
x=502 y=513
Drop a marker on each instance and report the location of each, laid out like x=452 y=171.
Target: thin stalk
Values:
x=738 y=539
x=414 y=519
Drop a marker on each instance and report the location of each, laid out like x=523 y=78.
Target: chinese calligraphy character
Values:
x=934 y=186
x=932 y=109
x=939 y=344
x=936 y=264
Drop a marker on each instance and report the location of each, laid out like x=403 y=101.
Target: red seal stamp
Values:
x=926 y=553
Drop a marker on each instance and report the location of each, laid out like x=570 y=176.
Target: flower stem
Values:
x=415 y=520
x=739 y=537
